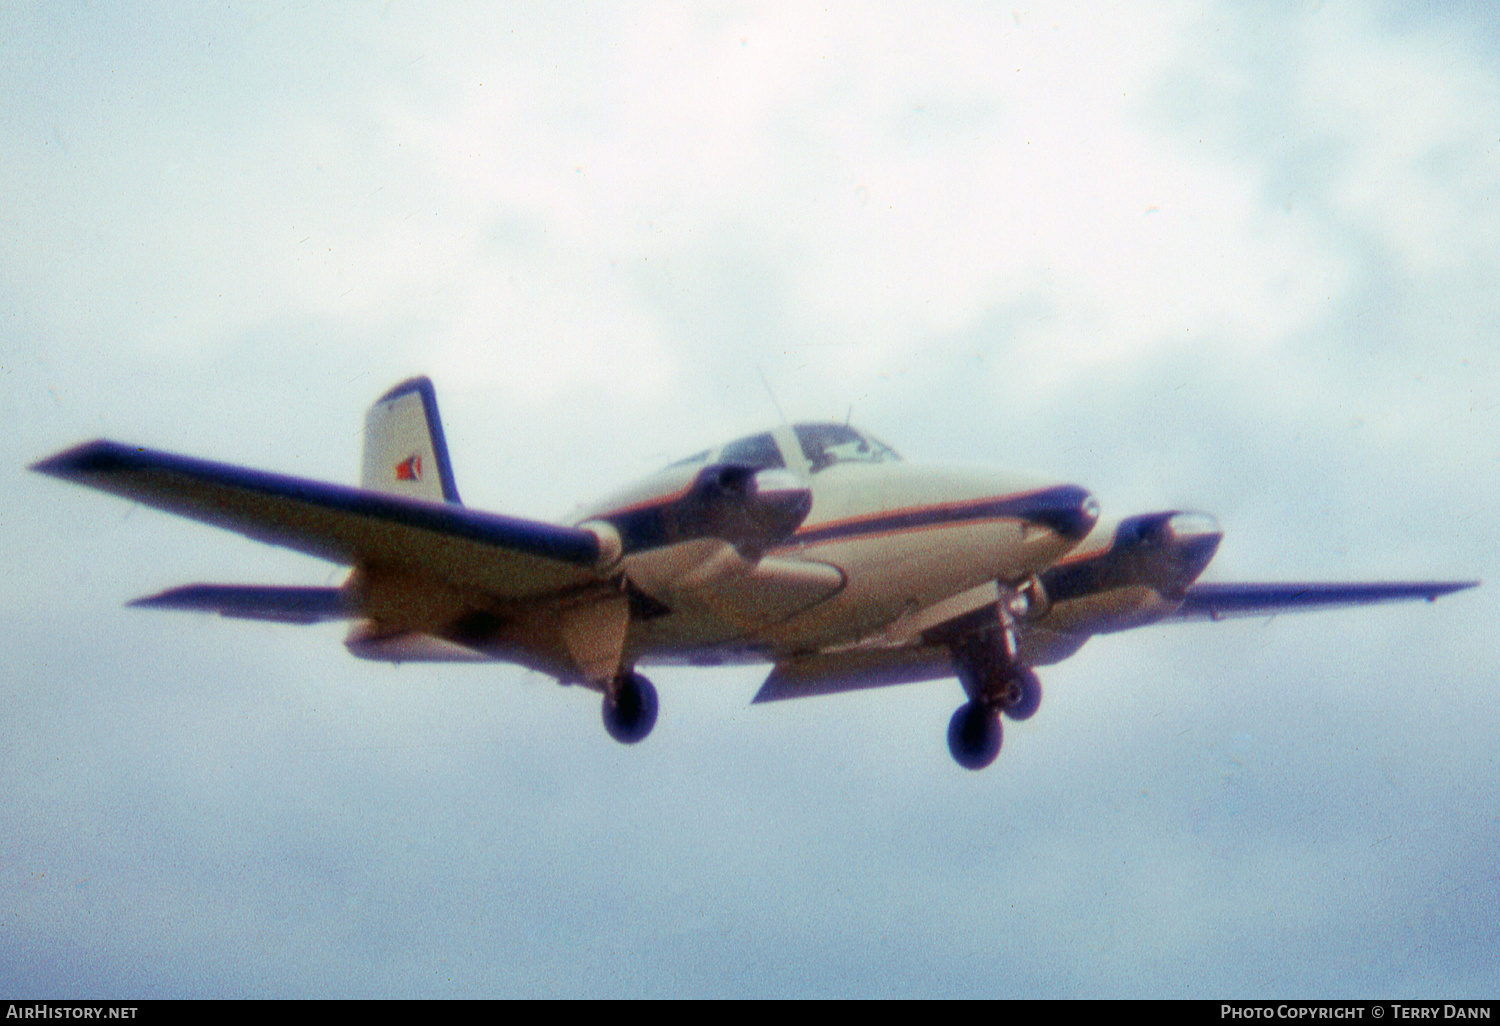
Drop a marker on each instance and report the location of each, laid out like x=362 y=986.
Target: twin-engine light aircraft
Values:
x=813 y=547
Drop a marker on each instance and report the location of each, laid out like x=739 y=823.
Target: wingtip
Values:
x=97 y=456
x=157 y=601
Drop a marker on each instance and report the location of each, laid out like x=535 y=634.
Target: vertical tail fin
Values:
x=405 y=452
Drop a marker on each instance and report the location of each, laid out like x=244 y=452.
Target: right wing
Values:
x=505 y=557
x=281 y=603
x=927 y=655
x=1218 y=601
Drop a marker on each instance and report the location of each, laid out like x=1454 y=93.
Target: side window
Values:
x=759 y=451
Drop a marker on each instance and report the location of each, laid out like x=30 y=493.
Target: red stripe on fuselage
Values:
x=928 y=517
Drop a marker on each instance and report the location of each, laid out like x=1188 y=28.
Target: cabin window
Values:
x=827 y=444
x=759 y=451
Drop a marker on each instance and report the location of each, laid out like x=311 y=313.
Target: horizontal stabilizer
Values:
x=1217 y=601
x=252 y=602
x=503 y=556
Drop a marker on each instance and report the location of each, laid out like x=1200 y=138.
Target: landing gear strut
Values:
x=630 y=708
x=995 y=684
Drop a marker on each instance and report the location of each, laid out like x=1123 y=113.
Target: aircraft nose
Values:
x=1069 y=510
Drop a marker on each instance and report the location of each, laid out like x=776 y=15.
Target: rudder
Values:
x=405 y=452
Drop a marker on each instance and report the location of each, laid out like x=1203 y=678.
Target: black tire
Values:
x=630 y=712
x=974 y=735
x=1027 y=696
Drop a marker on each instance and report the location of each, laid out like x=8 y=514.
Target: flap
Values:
x=828 y=673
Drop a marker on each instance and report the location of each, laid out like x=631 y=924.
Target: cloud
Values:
x=1192 y=257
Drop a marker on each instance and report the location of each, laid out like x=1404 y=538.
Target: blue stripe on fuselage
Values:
x=1058 y=508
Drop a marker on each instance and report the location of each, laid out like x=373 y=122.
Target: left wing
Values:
x=1217 y=601
x=504 y=557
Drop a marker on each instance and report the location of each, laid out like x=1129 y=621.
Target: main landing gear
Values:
x=995 y=685
x=974 y=733
x=629 y=708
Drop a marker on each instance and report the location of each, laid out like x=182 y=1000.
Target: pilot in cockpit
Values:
x=827 y=444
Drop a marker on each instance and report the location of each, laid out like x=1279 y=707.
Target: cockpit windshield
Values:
x=827 y=444
x=822 y=445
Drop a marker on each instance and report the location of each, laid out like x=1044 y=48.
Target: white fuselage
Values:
x=883 y=527
x=882 y=542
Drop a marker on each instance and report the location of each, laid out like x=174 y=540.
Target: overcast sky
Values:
x=1232 y=257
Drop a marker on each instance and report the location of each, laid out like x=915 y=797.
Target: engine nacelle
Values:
x=1138 y=579
x=748 y=508
x=1166 y=551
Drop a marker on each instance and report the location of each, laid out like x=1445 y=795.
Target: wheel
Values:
x=630 y=709
x=1023 y=695
x=974 y=735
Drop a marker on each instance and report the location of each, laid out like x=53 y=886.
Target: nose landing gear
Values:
x=996 y=684
x=974 y=735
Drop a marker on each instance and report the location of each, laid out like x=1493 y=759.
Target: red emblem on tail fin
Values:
x=409 y=469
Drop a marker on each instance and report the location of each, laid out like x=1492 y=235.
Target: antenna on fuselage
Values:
x=770 y=393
